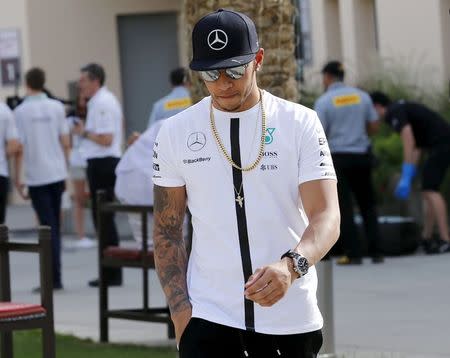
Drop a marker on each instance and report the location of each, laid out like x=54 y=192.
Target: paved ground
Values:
x=400 y=309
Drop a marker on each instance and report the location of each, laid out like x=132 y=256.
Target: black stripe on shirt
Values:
x=242 y=222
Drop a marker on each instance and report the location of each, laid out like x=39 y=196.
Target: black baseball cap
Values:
x=223 y=39
x=334 y=68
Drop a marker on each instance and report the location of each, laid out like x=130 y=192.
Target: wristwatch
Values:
x=300 y=263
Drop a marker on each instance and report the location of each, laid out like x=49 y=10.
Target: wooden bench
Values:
x=22 y=316
x=117 y=256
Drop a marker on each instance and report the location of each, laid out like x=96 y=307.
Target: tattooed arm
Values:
x=170 y=252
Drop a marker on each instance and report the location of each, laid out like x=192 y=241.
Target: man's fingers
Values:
x=261 y=292
x=254 y=278
x=271 y=298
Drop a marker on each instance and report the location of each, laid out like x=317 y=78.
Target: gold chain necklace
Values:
x=224 y=151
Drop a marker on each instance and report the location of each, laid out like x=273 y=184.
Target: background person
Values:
x=101 y=146
x=134 y=172
x=44 y=135
x=348 y=116
x=421 y=129
x=242 y=293
x=9 y=147
x=77 y=171
x=177 y=100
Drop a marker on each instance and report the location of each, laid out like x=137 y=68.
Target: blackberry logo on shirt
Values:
x=196 y=160
x=196 y=141
x=269 y=135
x=156 y=167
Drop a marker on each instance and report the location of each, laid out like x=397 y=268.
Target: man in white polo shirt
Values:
x=256 y=173
x=102 y=148
x=44 y=134
x=9 y=146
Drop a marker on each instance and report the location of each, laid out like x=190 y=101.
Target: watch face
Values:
x=303 y=265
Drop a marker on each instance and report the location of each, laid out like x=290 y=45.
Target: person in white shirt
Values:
x=134 y=172
x=102 y=148
x=256 y=174
x=9 y=146
x=44 y=135
x=77 y=173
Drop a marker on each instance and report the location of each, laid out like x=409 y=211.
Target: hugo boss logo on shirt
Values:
x=196 y=141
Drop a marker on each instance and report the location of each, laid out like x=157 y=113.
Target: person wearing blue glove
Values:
x=421 y=129
x=404 y=184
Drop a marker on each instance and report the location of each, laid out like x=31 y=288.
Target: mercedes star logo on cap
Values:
x=196 y=141
x=217 y=39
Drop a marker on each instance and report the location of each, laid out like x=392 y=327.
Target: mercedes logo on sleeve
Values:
x=217 y=40
x=196 y=141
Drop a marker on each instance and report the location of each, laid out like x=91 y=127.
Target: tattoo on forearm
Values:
x=170 y=250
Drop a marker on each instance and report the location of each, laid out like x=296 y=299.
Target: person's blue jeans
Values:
x=46 y=201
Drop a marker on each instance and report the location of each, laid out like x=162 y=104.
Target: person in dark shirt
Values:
x=421 y=130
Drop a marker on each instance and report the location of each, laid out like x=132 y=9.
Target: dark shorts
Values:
x=204 y=339
x=435 y=167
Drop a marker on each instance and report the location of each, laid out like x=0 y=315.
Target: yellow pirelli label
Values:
x=346 y=100
x=179 y=103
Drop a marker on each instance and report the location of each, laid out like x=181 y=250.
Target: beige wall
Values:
x=410 y=34
x=65 y=34
x=13 y=15
x=445 y=24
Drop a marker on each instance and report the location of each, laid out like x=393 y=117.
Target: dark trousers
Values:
x=354 y=174
x=204 y=339
x=46 y=201
x=101 y=176
x=4 y=185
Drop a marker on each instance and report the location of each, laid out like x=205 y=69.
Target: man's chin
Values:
x=228 y=106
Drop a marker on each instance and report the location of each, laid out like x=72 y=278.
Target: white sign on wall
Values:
x=9 y=56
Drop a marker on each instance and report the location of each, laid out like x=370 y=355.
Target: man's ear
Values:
x=259 y=59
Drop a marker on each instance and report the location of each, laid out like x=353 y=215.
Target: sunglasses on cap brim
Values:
x=234 y=73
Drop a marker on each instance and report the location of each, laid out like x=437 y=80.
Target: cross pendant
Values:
x=240 y=200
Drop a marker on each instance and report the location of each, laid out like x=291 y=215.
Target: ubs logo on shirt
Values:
x=196 y=141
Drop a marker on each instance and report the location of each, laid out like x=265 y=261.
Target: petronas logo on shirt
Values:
x=269 y=135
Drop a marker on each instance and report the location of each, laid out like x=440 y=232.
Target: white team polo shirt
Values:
x=104 y=116
x=8 y=131
x=40 y=122
x=229 y=242
x=134 y=172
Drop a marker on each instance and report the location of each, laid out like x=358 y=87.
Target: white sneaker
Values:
x=85 y=243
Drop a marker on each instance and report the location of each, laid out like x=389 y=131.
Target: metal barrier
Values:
x=325 y=299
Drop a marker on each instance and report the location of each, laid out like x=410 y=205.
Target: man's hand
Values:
x=180 y=321
x=21 y=188
x=404 y=185
x=78 y=128
x=133 y=138
x=269 y=284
